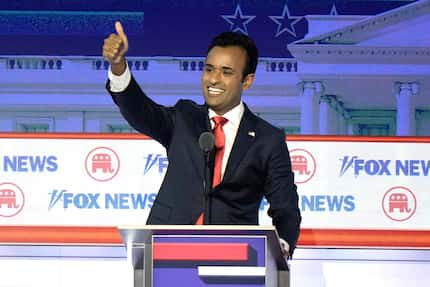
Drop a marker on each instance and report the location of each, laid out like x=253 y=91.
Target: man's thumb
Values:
x=121 y=34
x=120 y=30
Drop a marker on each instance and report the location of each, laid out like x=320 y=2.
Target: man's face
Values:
x=222 y=79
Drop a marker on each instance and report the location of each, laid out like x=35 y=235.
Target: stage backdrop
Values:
x=353 y=191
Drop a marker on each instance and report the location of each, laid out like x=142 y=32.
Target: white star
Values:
x=333 y=11
x=285 y=22
x=238 y=21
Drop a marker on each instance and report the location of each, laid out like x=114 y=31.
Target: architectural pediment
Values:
x=399 y=35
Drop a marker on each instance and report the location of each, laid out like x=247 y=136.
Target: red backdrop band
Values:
x=308 y=237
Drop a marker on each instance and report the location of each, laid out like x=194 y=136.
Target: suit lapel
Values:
x=244 y=139
x=198 y=123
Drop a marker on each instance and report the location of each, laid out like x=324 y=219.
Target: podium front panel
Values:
x=198 y=261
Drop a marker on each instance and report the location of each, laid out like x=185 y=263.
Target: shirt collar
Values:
x=233 y=116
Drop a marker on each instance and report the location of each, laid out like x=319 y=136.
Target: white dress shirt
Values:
x=230 y=130
x=119 y=83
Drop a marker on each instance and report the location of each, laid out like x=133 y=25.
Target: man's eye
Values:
x=228 y=72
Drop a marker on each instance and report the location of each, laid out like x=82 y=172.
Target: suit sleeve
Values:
x=143 y=114
x=281 y=192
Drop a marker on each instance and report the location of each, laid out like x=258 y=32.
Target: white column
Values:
x=337 y=117
x=309 y=107
x=340 y=119
x=325 y=102
x=406 y=122
x=331 y=116
x=343 y=124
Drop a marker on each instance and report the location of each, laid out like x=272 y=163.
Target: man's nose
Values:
x=215 y=77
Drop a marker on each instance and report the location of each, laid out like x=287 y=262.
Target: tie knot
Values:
x=219 y=121
x=218 y=131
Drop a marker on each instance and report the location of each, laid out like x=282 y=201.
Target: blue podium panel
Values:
x=209 y=261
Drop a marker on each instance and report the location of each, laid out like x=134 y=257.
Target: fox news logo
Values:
x=29 y=163
x=383 y=167
x=322 y=203
x=95 y=200
x=156 y=162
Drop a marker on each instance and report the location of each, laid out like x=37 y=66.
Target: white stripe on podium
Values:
x=231 y=271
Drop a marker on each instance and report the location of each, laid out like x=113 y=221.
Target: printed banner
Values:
x=362 y=185
x=113 y=180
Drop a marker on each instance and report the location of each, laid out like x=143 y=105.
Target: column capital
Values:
x=415 y=87
x=316 y=86
x=405 y=93
x=332 y=101
x=411 y=88
x=319 y=87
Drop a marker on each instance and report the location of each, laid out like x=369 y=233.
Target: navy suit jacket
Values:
x=259 y=166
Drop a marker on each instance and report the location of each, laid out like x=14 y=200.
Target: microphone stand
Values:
x=206 y=143
x=207 y=187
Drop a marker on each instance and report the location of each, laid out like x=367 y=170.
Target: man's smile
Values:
x=215 y=91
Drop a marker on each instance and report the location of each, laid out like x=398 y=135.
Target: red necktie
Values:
x=219 y=153
x=220 y=147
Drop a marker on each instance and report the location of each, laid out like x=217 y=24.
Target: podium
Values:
x=205 y=255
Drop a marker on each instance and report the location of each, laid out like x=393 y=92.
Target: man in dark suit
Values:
x=251 y=158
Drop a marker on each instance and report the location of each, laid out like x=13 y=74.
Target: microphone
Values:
x=207 y=143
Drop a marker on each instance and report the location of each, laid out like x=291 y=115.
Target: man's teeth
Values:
x=215 y=91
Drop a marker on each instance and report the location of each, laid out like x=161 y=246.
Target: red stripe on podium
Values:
x=200 y=251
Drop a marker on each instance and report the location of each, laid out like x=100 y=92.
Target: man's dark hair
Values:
x=227 y=39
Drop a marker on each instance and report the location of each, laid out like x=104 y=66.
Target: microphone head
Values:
x=206 y=141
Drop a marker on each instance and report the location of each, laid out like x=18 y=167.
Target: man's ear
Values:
x=247 y=81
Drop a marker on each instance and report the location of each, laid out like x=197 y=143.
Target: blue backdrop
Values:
x=162 y=27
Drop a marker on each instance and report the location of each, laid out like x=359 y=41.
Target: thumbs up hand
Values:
x=114 y=49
